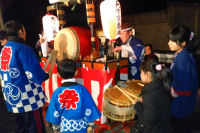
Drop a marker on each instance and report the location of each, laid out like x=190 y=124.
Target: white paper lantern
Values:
x=50 y=26
x=111 y=18
x=56 y=1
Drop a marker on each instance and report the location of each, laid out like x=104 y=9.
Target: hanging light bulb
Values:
x=110 y=11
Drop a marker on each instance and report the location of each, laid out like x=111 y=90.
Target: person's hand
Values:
x=119 y=48
x=173 y=93
x=140 y=99
x=42 y=40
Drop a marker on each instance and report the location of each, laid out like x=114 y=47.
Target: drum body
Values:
x=73 y=43
x=117 y=106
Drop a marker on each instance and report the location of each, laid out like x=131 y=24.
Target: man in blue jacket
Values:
x=131 y=47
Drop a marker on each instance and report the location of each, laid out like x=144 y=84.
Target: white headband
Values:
x=126 y=29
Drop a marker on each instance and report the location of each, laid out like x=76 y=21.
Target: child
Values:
x=21 y=79
x=185 y=80
x=154 y=109
x=71 y=107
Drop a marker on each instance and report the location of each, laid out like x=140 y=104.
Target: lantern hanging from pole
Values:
x=50 y=26
x=111 y=18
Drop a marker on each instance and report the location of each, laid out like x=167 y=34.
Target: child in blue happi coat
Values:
x=21 y=78
x=71 y=108
x=185 y=80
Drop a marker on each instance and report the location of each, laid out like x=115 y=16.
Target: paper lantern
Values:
x=50 y=26
x=56 y=1
x=110 y=11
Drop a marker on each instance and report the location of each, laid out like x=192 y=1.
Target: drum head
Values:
x=116 y=97
x=135 y=85
x=67 y=44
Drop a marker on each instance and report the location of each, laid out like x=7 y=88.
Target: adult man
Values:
x=21 y=79
x=132 y=48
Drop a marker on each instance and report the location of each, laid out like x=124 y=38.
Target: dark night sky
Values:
x=30 y=12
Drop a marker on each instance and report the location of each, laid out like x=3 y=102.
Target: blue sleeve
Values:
x=137 y=47
x=53 y=115
x=183 y=74
x=30 y=63
x=92 y=113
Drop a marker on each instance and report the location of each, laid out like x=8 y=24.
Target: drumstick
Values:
x=48 y=61
x=53 y=61
x=125 y=94
x=130 y=94
x=140 y=84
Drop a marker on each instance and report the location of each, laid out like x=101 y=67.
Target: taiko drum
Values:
x=73 y=43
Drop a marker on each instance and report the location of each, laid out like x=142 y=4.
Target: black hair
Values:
x=125 y=26
x=66 y=68
x=163 y=74
x=3 y=35
x=12 y=27
x=182 y=33
x=148 y=45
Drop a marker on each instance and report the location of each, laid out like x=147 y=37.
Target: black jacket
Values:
x=151 y=56
x=154 y=112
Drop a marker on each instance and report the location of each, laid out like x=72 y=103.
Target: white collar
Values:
x=68 y=80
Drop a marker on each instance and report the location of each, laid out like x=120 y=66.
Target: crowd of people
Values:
x=167 y=102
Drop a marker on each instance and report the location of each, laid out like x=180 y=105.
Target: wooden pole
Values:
x=61 y=14
x=90 y=11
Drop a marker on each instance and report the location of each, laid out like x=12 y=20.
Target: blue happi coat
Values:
x=21 y=78
x=185 y=83
x=72 y=108
x=138 y=49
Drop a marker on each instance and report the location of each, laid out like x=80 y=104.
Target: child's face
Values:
x=173 y=46
x=22 y=33
x=143 y=76
x=3 y=42
x=146 y=77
